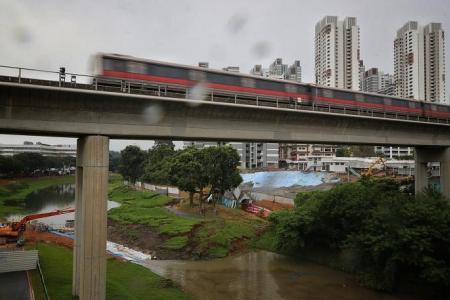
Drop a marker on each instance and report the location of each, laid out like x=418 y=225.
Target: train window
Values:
x=248 y=82
x=414 y=104
x=114 y=65
x=344 y=95
x=374 y=99
x=196 y=75
x=166 y=71
x=398 y=102
x=359 y=97
x=387 y=101
x=136 y=67
x=433 y=107
x=269 y=85
x=327 y=93
x=290 y=88
x=108 y=64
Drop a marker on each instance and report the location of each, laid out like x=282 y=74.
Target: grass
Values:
x=124 y=280
x=145 y=208
x=176 y=243
x=214 y=238
x=231 y=230
x=12 y=196
x=267 y=241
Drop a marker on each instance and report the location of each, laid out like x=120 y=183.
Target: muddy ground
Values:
x=144 y=239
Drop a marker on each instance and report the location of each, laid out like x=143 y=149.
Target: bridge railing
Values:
x=92 y=82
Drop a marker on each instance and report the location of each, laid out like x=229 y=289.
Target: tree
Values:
x=188 y=172
x=114 y=161
x=157 y=164
x=131 y=163
x=221 y=167
x=343 y=151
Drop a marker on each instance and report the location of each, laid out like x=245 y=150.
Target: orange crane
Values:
x=14 y=230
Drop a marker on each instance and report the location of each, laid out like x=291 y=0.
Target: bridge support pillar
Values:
x=89 y=257
x=425 y=155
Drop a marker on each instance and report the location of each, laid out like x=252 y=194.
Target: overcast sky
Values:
x=48 y=34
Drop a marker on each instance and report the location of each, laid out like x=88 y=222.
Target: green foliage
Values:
x=32 y=164
x=12 y=196
x=176 y=243
x=391 y=235
x=158 y=163
x=124 y=280
x=221 y=167
x=114 y=161
x=131 y=163
x=141 y=207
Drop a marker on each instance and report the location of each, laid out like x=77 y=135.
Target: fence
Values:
x=279 y=199
x=12 y=261
x=160 y=189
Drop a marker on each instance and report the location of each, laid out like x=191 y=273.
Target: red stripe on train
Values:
x=190 y=83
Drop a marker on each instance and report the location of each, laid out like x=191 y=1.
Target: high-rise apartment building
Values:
x=419 y=62
x=294 y=72
x=376 y=81
x=337 y=57
x=278 y=70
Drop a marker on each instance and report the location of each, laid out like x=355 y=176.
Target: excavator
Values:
x=371 y=168
x=13 y=231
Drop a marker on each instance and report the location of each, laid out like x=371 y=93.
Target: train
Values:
x=176 y=80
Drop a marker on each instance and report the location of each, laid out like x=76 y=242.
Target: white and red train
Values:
x=227 y=86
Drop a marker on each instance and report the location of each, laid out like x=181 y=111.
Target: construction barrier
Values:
x=20 y=260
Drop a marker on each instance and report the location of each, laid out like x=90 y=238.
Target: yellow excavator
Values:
x=379 y=161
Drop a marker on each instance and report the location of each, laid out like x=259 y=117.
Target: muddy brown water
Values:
x=256 y=275
x=263 y=276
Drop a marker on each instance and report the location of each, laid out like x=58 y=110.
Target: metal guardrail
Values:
x=92 y=82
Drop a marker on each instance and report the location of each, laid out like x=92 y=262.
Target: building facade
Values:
x=251 y=155
x=40 y=148
x=376 y=81
x=278 y=70
x=419 y=62
x=337 y=53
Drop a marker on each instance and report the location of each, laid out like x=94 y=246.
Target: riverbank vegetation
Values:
x=192 y=170
x=389 y=238
x=13 y=194
x=124 y=280
x=180 y=229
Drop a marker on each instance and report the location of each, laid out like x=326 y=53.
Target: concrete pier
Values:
x=89 y=259
x=425 y=155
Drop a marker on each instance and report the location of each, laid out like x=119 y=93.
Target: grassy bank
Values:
x=12 y=196
x=124 y=280
x=213 y=236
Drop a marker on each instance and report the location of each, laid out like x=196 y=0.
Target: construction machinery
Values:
x=13 y=231
x=379 y=161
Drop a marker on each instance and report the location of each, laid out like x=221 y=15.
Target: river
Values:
x=52 y=198
x=256 y=275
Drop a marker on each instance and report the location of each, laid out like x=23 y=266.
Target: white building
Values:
x=394 y=152
x=251 y=155
x=337 y=57
x=294 y=72
x=376 y=81
x=419 y=62
x=43 y=149
x=278 y=70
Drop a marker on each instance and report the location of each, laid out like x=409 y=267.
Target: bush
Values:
x=394 y=237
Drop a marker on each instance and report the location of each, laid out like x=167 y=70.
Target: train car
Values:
x=175 y=80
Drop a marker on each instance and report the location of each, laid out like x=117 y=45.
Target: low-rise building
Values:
x=40 y=148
